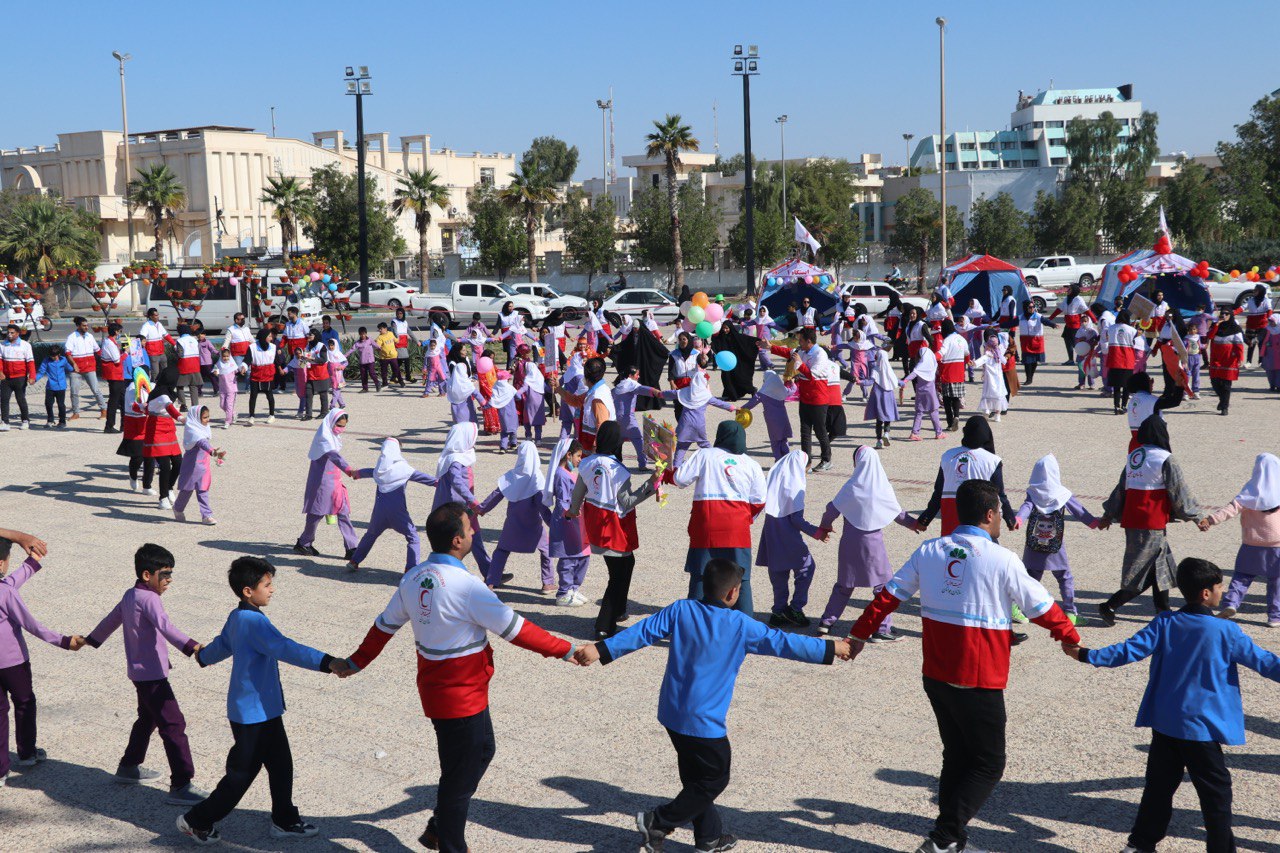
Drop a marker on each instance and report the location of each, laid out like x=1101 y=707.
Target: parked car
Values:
x=635 y=300
x=1232 y=292
x=554 y=298
x=468 y=296
x=223 y=300
x=393 y=294
x=874 y=295
x=1044 y=300
x=1059 y=271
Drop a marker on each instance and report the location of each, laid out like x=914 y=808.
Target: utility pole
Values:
x=605 y=107
x=122 y=58
x=942 y=130
x=746 y=67
x=782 y=129
x=273 y=122
x=358 y=84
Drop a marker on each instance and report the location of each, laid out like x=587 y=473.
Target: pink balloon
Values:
x=714 y=313
x=686 y=326
x=233 y=281
x=808 y=279
x=484 y=364
x=315 y=276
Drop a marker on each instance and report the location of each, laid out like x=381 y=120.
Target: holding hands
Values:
x=342 y=668
x=586 y=654
x=1071 y=651
x=77 y=643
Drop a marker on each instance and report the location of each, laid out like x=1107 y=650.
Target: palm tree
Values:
x=528 y=193
x=419 y=192
x=293 y=203
x=668 y=139
x=158 y=191
x=40 y=233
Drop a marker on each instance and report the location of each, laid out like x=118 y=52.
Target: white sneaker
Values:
x=578 y=599
x=25 y=425
x=152 y=491
x=226 y=426
x=271 y=419
x=165 y=503
x=997 y=421
x=249 y=422
x=209 y=520
x=566 y=600
x=4 y=427
x=179 y=516
x=133 y=486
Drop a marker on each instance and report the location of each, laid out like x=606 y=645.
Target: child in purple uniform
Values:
x=566 y=537
x=147 y=635
x=1258 y=506
x=391 y=474
x=503 y=401
x=532 y=394
x=625 y=391
x=522 y=530
x=1044 y=513
x=325 y=493
x=782 y=548
x=691 y=425
x=772 y=397
x=455 y=481
x=196 y=473
x=15 y=665
x=225 y=372
x=364 y=348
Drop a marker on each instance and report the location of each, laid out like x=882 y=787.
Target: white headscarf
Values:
x=534 y=379
x=525 y=479
x=503 y=393
x=1045 y=490
x=785 y=486
x=557 y=456
x=195 y=432
x=336 y=355
x=867 y=500
x=391 y=471
x=773 y=387
x=882 y=373
x=325 y=439
x=459 y=387
x=927 y=368
x=697 y=393
x=1262 y=492
x=459 y=446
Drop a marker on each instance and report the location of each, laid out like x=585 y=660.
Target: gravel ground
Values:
x=840 y=758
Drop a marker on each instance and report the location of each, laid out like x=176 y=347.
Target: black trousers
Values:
x=1222 y=387
x=466 y=746
x=1069 y=339
x=971 y=724
x=257 y=745
x=115 y=400
x=52 y=397
x=16 y=387
x=704 y=774
x=1203 y=760
x=1118 y=381
x=169 y=467
x=264 y=388
x=614 y=602
x=813 y=420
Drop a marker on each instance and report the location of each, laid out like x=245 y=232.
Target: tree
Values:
x=1065 y=223
x=39 y=233
x=335 y=228
x=419 y=192
x=667 y=140
x=528 y=193
x=550 y=157
x=293 y=203
x=497 y=235
x=651 y=218
x=158 y=191
x=997 y=227
x=1111 y=169
x=1251 y=171
x=917 y=228
x=772 y=238
x=590 y=234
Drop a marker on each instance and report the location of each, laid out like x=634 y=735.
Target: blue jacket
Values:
x=1193 y=688
x=708 y=644
x=55 y=372
x=254 y=694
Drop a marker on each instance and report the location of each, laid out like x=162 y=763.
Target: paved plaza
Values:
x=840 y=758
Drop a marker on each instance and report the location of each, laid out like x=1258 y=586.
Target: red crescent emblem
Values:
x=950 y=573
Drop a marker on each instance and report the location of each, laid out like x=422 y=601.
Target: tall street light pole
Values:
x=358 y=84
x=746 y=66
x=604 y=106
x=906 y=164
x=942 y=129
x=122 y=58
x=782 y=131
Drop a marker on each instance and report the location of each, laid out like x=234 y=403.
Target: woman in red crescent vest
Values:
x=953 y=355
x=974 y=459
x=262 y=373
x=1073 y=312
x=1150 y=494
x=1031 y=331
x=1226 y=355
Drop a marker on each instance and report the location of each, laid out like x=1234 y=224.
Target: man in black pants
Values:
x=816 y=375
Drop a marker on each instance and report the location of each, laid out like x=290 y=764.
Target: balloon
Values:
x=704 y=329
x=714 y=313
x=315 y=276
x=484 y=365
x=1235 y=273
x=1255 y=269
x=326 y=278
x=742 y=416
x=770 y=281
x=726 y=360
x=700 y=299
x=684 y=307
x=333 y=287
x=695 y=314
x=233 y=281
x=687 y=326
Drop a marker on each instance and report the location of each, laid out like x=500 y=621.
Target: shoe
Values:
x=778 y=620
x=651 y=838
x=624 y=617
x=226 y=425
x=997 y=417
x=61 y=425
x=165 y=503
x=199 y=836
x=1227 y=613
x=1106 y=615
x=133 y=485
x=579 y=599
x=179 y=516
x=889 y=636
x=40 y=755
x=301 y=829
x=110 y=431
x=547 y=589
x=75 y=416
x=570 y=599
x=305 y=550
x=348 y=554
x=48 y=424
x=1129 y=848
x=1273 y=624
x=823 y=466
x=928 y=846
x=1019 y=616
x=1018 y=638
x=1073 y=618
x=724 y=842
x=185 y=796
x=915 y=436
x=797 y=617
x=209 y=520
x=353 y=566
x=271 y=419
x=133 y=774
x=938 y=436
x=879 y=444
x=27 y=424
x=4 y=427
x=152 y=491
x=250 y=421
x=102 y=414
x=823 y=630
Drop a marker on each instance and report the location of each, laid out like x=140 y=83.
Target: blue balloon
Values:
x=771 y=281
x=726 y=360
x=326 y=278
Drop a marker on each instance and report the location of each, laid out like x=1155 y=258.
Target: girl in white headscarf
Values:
x=522 y=530
x=772 y=397
x=503 y=401
x=994 y=390
x=462 y=393
x=1258 y=506
x=325 y=493
x=782 y=547
x=882 y=401
x=455 y=481
x=391 y=474
x=1044 y=513
x=868 y=505
x=691 y=423
x=196 y=475
x=566 y=537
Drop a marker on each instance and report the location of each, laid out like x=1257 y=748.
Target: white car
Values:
x=874 y=295
x=382 y=291
x=1232 y=292
x=1059 y=271
x=635 y=300
x=554 y=298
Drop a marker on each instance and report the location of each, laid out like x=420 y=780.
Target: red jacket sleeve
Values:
x=785 y=352
x=876 y=612
x=371 y=646
x=1057 y=624
x=534 y=639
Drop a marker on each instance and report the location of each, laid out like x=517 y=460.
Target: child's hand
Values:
x=823 y=534
x=1104 y=523
x=341 y=668
x=34 y=547
x=195 y=651
x=1204 y=524
x=1071 y=651
x=354 y=474
x=586 y=654
x=844 y=651
x=77 y=643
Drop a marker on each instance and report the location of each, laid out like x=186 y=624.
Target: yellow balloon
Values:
x=700 y=299
x=743 y=417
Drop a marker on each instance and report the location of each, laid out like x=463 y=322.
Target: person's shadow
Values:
x=93 y=487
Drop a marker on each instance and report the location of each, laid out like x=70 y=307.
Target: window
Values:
x=1038 y=125
x=1051 y=124
x=1028 y=145
x=1007 y=146
x=1031 y=164
x=488 y=291
x=966 y=146
x=486 y=176
x=656 y=180
x=470 y=289
x=861 y=290
x=446 y=240
x=628 y=298
x=1055 y=161
x=651 y=298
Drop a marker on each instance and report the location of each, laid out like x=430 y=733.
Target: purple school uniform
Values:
x=508 y=420
x=522 y=533
x=624 y=405
x=882 y=404
x=534 y=410
x=691 y=426
x=455 y=485
x=1038 y=562
x=224 y=379
x=195 y=475
x=783 y=551
x=326 y=494
x=860 y=561
x=566 y=537
x=776 y=422
x=391 y=512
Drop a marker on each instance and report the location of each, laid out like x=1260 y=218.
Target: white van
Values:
x=223 y=301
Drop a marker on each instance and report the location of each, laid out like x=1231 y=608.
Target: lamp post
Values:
x=906 y=141
x=746 y=66
x=942 y=128
x=782 y=132
x=122 y=58
x=604 y=106
x=358 y=84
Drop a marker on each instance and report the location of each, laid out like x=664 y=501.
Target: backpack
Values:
x=1044 y=531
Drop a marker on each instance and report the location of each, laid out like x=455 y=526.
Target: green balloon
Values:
x=704 y=329
x=696 y=314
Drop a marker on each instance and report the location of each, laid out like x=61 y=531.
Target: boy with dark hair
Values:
x=147 y=630
x=15 y=667
x=255 y=706
x=709 y=641
x=1192 y=704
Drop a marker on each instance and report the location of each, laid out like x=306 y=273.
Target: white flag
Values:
x=803 y=236
x=1164 y=224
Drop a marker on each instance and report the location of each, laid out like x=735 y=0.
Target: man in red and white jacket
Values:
x=154 y=337
x=82 y=352
x=451 y=611
x=19 y=365
x=1073 y=312
x=967 y=584
x=816 y=377
x=111 y=357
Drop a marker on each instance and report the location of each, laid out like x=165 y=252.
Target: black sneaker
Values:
x=797 y=617
x=779 y=620
x=821 y=466
x=1018 y=638
x=652 y=838
x=203 y=837
x=724 y=842
x=348 y=554
x=133 y=774
x=429 y=839
x=889 y=636
x=305 y=550
x=1106 y=615
x=297 y=829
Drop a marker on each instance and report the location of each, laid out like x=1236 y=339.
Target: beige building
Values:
x=226 y=169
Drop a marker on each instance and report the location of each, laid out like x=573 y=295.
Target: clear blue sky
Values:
x=490 y=75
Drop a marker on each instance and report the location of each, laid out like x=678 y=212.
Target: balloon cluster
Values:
x=701 y=315
x=1200 y=271
x=1127 y=274
x=326 y=276
x=1163 y=246
x=775 y=280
